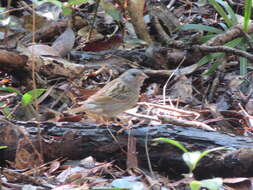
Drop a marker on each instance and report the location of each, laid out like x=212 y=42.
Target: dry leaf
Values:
x=65 y=42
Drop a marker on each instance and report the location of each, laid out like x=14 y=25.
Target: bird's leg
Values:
x=125 y=125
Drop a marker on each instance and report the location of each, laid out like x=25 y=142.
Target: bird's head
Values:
x=134 y=77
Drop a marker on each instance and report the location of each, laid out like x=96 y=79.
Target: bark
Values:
x=79 y=140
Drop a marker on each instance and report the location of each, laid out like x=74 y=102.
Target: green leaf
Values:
x=221 y=12
x=247 y=14
x=66 y=11
x=213 y=68
x=207 y=37
x=230 y=11
x=10 y=89
x=173 y=142
x=76 y=2
x=7 y=112
x=195 y=185
x=212 y=56
x=28 y=97
x=234 y=42
x=200 y=27
x=243 y=63
x=191 y=159
x=209 y=57
x=2 y=147
x=111 y=10
x=212 y=184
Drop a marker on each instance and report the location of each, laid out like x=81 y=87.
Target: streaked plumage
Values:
x=115 y=97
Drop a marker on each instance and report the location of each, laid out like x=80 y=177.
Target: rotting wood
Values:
x=79 y=140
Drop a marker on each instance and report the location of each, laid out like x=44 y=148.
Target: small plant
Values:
x=230 y=19
x=26 y=98
x=3 y=147
x=191 y=159
x=225 y=11
x=211 y=184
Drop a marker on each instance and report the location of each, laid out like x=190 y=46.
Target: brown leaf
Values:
x=105 y=44
x=65 y=42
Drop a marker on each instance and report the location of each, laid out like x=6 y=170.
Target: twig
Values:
x=181 y=122
x=170 y=108
x=225 y=49
x=142 y=116
x=147 y=155
x=183 y=71
x=12 y=10
x=229 y=35
x=165 y=86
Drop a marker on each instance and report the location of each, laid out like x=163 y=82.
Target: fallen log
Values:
x=79 y=140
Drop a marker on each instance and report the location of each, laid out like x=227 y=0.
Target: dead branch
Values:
x=229 y=35
x=225 y=49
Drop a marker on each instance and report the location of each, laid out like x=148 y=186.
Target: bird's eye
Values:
x=134 y=74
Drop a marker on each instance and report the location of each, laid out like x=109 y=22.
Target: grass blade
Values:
x=247 y=14
x=173 y=142
x=221 y=12
x=200 y=27
x=230 y=11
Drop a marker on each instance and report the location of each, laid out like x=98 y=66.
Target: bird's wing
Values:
x=113 y=92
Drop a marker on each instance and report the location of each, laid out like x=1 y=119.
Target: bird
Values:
x=114 y=98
